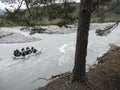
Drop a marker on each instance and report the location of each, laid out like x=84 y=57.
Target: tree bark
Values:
x=79 y=70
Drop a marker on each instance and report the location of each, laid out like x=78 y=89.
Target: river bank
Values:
x=103 y=76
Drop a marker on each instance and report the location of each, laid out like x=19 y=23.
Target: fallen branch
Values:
x=52 y=77
x=106 y=30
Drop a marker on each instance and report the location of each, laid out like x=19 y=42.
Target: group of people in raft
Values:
x=24 y=51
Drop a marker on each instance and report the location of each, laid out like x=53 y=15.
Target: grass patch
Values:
x=107 y=19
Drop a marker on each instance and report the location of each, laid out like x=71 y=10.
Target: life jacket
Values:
x=17 y=53
x=34 y=50
x=28 y=51
x=24 y=53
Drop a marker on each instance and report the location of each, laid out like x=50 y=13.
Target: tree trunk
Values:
x=82 y=40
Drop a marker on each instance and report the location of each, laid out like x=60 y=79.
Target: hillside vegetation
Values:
x=55 y=15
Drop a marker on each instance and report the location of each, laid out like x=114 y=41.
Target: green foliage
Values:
x=108 y=11
x=106 y=30
x=60 y=14
x=100 y=32
x=67 y=16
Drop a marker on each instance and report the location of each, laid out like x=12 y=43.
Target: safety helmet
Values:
x=32 y=47
x=22 y=49
x=27 y=48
